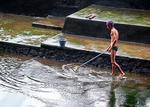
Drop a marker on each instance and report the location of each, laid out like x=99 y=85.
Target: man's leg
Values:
x=122 y=73
x=113 y=69
x=116 y=64
x=113 y=62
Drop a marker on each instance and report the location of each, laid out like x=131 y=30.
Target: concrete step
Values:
x=133 y=24
x=46 y=26
x=126 y=49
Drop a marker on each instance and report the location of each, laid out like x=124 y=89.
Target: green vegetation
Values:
x=131 y=99
x=112 y=99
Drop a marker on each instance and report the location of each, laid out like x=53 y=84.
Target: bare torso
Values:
x=114 y=36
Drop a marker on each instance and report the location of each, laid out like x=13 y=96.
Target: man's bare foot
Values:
x=122 y=74
x=113 y=74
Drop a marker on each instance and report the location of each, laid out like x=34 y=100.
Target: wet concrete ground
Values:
x=18 y=29
x=121 y=15
x=51 y=21
x=33 y=82
x=129 y=49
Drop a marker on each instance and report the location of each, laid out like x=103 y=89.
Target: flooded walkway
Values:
x=18 y=29
x=33 y=82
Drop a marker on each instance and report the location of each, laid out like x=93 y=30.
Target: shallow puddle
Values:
x=18 y=29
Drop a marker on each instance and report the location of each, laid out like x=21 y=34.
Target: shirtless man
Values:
x=113 y=47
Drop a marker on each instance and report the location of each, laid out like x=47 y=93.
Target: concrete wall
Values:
x=76 y=56
x=96 y=28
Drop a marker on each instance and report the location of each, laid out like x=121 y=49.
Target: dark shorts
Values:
x=115 y=48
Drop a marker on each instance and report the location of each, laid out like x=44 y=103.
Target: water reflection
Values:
x=30 y=82
x=125 y=94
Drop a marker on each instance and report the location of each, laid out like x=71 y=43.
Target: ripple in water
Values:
x=48 y=84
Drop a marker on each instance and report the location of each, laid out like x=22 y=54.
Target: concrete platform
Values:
x=50 y=22
x=126 y=49
x=133 y=25
x=47 y=26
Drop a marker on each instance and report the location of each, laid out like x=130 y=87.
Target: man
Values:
x=113 y=47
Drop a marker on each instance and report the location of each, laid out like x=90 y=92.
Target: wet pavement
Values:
x=18 y=29
x=127 y=49
x=51 y=21
x=34 y=82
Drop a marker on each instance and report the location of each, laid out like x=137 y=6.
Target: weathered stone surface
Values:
x=77 y=56
x=46 y=26
x=97 y=28
x=33 y=52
